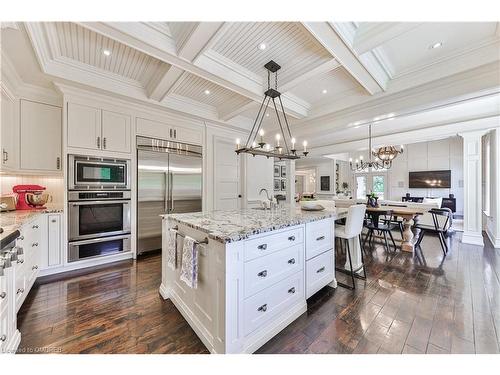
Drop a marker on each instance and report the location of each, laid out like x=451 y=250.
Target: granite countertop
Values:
x=236 y=225
x=13 y=220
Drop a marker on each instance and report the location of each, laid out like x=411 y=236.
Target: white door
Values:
x=115 y=132
x=84 y=126
x=41 y=129
x=375 y=182
x=227 y=191
x=9 y=128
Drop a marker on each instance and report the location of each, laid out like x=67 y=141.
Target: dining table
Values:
x=408 y=214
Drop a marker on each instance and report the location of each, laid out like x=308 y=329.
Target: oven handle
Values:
x=101 y=239
x=89 y=203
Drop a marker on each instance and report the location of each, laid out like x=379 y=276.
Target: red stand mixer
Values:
x=30 y=197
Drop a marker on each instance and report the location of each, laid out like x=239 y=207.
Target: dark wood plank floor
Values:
x=408 y=305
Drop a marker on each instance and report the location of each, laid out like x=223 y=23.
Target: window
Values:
x=370 y=182
x=361 y=187
x=378 y=185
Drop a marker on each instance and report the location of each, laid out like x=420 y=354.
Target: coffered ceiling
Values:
x=333 y=74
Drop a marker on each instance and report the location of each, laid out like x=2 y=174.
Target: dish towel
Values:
x=189 y=266
x=172 y=249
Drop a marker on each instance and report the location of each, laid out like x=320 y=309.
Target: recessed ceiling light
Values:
x=267 y=114
x=107 y=52
x=324 y=91
x=207 y=92
x=262 y=46
x=436 y=45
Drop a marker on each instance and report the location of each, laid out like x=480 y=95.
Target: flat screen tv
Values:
x=430 y=179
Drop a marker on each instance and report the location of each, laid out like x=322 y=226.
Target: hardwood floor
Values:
x=408 y=305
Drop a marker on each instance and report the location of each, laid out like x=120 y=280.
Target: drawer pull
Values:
x=291 y=290
x=35 y=226
x=34 y=268
x=3 y=338
x=321 y=269
x=320 y=238
x=262 y=273
x=263 y=308
x=3 y=295
x=262 y=247
x=291 y=238
x=20 y=290
x=20 y=238
x=20 y=261
x=291 y=261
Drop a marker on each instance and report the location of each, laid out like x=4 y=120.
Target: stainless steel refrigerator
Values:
x=169 y=180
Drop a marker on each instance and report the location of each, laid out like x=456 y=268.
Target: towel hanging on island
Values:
x=172 y=248
x=189 y=265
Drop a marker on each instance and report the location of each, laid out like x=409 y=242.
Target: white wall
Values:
x=492 y=222
x=435 y=155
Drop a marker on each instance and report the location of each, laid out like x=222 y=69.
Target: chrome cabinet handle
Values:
x=20 y=261
x=104 y=143
x=320 y=270
x=20 y=238
x=171 y=133
x=320 y=238
x=291 y=261
x=98 y=142
x=175 y=133
x=3 y=295
x=291 y=238
x=34 y=268
x=3 y=338
x=34 y=244
x=263 y=308
x=58 y=163
x=262 y=247
x=53 y=221
x=262 y=273
x=20 y=290
x=291 y=290
x=35 y=226
x=5 y=156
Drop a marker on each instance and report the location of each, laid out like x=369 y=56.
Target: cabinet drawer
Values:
x=4 y=330
x=263 y=272
x=266 y=245
x=319 y=237
x=20 y=284
x=319 y=272
x=271 y=302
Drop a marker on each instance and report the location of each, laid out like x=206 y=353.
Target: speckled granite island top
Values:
x=231 y=226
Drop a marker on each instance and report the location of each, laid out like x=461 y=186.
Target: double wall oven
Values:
x=99 y=207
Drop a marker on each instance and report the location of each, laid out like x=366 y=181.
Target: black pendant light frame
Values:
x=271 y=94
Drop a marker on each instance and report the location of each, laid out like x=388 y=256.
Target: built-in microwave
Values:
x=90 y=173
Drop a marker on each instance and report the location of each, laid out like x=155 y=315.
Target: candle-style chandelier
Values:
x=284 y=147
x=383 y=156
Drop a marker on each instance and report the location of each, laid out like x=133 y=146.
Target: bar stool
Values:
x=352 y=230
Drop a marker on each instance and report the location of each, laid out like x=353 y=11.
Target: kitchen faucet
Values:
x=270 y=199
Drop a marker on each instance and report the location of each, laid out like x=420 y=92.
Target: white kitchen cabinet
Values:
x=84 y=126
x=115 y=132
x=97 y=129
x=40 y=136
x=156 y=129
x=53 y=256
x=9 y=130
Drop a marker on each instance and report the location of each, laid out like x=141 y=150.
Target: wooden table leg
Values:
x=407 y=244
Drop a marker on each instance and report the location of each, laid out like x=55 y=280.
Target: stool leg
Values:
x=350 y=264
x=362 y=260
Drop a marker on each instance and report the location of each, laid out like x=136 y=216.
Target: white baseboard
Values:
x=473 y=238
x=494 y=240
x=164 y=292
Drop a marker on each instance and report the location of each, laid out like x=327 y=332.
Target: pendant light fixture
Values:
x=284 y=144
x=383 y=156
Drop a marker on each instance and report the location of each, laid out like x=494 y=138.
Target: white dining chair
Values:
x=352 y=230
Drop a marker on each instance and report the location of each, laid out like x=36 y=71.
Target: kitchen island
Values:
x=256 y=269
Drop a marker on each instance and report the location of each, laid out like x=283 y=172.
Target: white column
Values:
x=290 y=182
x=472 y=188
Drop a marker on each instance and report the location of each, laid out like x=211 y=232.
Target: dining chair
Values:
x=352 y=231
x=374 y=224
x=440 y=218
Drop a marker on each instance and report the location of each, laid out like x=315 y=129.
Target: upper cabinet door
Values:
x=10 y=128
x=185 y=135
x=84 y=126
x=40 y=136
x=115 y=132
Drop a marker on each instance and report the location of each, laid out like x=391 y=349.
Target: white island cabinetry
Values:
x=252 y=274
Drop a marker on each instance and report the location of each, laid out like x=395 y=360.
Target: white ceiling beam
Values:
x=371 y=35
x=321 y=69
x=204 y=66
x=227 y=112
x=162 y=83
x=330 y=39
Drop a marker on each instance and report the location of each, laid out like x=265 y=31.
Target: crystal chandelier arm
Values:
x=281 y=127
x=255 y=122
